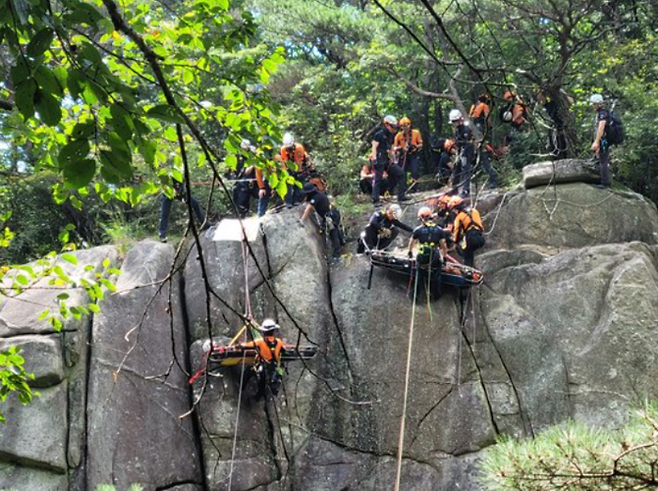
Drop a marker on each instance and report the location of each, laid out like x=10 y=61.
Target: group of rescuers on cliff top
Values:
x=447 y=221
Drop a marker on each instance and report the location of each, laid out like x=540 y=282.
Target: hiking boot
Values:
x=163 y=239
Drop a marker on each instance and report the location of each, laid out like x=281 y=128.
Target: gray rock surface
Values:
x=35 y=435
x=572 y=216
x=19 y=478
x=563 y=328
x=20 y=315
x=560 y=172
x=43 y=357
x=137 y=389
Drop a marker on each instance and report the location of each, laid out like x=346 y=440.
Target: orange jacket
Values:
x=518 y=113
x=402 y=139
x=298 y=155
x=464 y=222
x=479 y=110
x=263 y=349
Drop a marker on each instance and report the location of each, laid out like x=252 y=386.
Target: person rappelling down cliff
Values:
x=268 y=366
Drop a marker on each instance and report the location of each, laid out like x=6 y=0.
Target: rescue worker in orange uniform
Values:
x=294 y=153
x=408 y=143
x=479 y=113
x=268 y=367
x=467 y=230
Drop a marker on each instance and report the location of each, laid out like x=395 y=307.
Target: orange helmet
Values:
x=455 y=202
x=444 y=201
x=405 y=122
x=425 y=213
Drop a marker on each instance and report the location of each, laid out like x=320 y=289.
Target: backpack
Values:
x=614 y=130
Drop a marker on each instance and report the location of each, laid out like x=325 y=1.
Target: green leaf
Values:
x=165 y=112
x=63 y=296
x=76 y=83
x=72 y=152
x=48 y=108
x=115 y=167
x=79 y=173
x=121 y=121
x=84 y=13
x=40 y=42
x=231 y=161
x=47 y=80
x=22 y=279
x=20 y=72
x=69 y=258
x=43 y=314
x=83 y=130
x=24 y=98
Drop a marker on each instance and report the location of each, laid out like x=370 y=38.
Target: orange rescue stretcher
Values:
x=453 y=273
x=221 y=357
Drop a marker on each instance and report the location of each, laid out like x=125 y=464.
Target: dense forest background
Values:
x=75 y=72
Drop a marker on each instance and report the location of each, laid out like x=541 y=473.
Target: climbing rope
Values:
x=406 y=389
x=248 y=315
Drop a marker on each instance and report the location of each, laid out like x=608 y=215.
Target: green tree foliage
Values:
x=117 y=101
x=13 y=378
x=349 y=63
x=578 y=458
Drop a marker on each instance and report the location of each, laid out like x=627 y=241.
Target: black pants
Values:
x=485 y=162
x=397 y=178
x=365 y=185
x=461 y=172
x=474 y=241
x=242 y=195
x=429 y=278
x=374 y=240
x=268 y=376
x=332 y=227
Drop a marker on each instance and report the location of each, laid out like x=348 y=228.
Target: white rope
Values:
x=406 y=388
x=237 y=420
x=247 y=310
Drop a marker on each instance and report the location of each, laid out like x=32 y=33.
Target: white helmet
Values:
x=268 y=325
x=596 y=99
x=390 y=119
x=395 y=210
x=455 y=115
x=245 y=144
x=288 y=139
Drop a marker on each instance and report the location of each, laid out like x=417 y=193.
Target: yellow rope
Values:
x=406 y=389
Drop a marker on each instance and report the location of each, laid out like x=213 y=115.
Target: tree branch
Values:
x=414 y=88
x=6 y=105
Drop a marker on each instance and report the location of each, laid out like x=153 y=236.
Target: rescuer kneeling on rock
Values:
x=382 y=229
x=329 y=216
x=432 y=249
x=268 y=367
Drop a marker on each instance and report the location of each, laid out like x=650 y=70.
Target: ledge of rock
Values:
x=560 y=172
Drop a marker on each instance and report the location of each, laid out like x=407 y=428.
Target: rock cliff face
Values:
x=563 y=327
